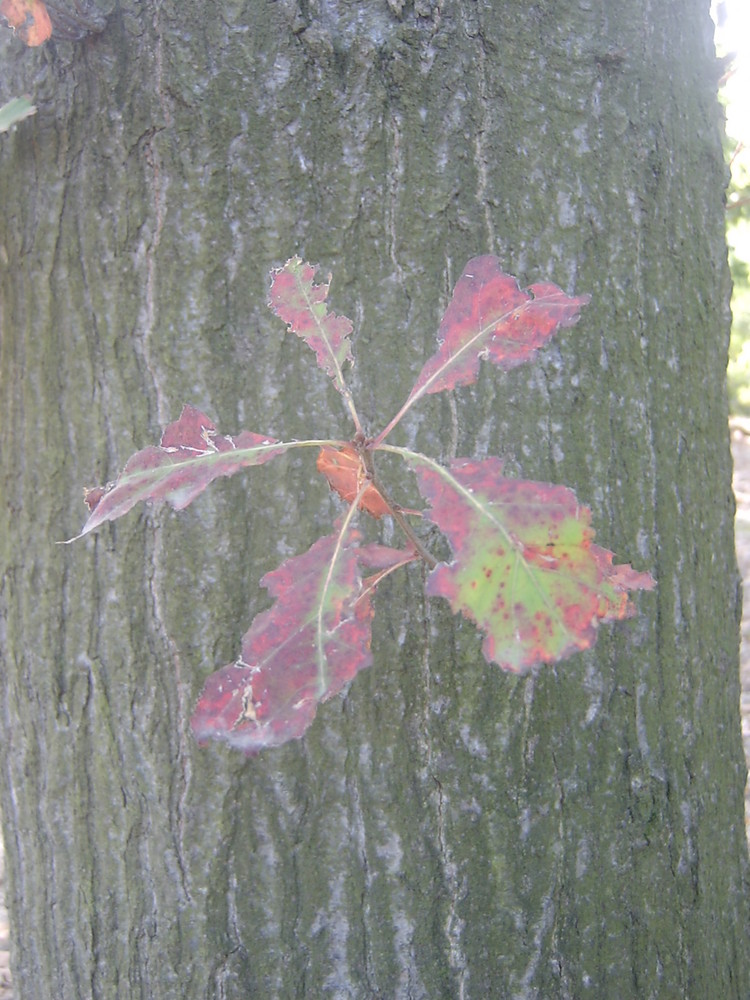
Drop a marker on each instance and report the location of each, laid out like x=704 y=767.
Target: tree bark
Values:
x=443 y=830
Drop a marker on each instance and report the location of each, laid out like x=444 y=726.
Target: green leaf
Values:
x=15 y=111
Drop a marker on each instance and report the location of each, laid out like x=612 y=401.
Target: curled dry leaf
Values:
x=345 y=473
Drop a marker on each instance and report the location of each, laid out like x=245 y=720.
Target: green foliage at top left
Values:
x=15 y=111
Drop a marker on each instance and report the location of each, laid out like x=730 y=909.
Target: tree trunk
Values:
x=444 y=830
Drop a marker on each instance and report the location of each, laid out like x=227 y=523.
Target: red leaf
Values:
x=301 y=304
x=345 y=473
x=29 y=18
x=490 y=317
x=525 y=569
x=191 y=455
x=303 y=650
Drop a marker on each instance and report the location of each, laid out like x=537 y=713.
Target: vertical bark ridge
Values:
x=443 y=830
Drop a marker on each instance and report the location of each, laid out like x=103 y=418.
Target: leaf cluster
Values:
x=524 y=567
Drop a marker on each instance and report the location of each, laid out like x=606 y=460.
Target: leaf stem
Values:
x=378 y=441
x=320 y=629
x=324 y=333
x=424 y=554
x=371 y=582
x=349 y=400
x=314 y=443
x=396 y=512
x=417 y=458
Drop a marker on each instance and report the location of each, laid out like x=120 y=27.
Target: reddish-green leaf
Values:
x=191 y=455
x=301 y=304
x=490 y=317
x=303 y=650
x=525 y=568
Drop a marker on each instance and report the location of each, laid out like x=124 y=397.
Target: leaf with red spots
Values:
x=301 y=304
x=191 y=455
x=303 y=650
x=29 y=18
x=525 y=568
x=490 y=317
x=345 y=473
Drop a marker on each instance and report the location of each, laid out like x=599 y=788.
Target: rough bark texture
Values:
x=444 y=830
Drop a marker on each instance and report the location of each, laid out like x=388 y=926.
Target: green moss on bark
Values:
x=443 y=830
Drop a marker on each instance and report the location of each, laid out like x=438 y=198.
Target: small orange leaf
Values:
x=29 y=18
x=345 y=473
